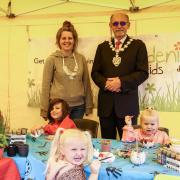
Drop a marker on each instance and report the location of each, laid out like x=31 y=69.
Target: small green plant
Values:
x=3 y=141
x=3 y=138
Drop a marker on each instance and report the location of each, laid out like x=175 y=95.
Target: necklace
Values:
x=117 y=59
x=68 y=72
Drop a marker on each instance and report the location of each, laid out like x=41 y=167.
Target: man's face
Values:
x=119 y=25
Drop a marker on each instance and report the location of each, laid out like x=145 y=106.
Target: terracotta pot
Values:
x=1 y=153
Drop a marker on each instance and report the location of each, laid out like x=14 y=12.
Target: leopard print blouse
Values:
x=77 y=173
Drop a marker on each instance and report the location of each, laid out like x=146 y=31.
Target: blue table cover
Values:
x=33 y=167
x=146 y=171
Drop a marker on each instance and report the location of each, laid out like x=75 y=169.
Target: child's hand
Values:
x=37 y=130
x=128 y=120
x=50 y=137
x=95 y=166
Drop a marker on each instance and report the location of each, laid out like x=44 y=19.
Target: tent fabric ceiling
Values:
x=80 y=7
x=123 y=4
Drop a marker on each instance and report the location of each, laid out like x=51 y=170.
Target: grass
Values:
x=168 y=101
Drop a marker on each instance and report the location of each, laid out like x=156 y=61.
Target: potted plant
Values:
x=3 y=138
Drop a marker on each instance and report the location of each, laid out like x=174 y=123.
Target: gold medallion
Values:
x=116 y=61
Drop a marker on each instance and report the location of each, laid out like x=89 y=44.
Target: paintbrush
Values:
x=105 y=158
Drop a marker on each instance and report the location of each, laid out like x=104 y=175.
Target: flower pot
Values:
x=11 y=150
x=23 y=150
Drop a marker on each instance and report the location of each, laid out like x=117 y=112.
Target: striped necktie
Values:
x=118 y=43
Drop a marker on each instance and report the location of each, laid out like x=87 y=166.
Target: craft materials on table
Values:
x=169 y=158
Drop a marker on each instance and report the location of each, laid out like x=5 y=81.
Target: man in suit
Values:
x=120 y=66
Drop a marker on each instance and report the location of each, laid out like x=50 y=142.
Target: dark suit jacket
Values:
x=132 y=71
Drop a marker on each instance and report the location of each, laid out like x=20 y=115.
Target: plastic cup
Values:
x=105 y=145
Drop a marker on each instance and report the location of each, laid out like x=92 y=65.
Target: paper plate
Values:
x=106 y=157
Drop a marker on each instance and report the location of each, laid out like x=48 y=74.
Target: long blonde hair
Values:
x=61 y=138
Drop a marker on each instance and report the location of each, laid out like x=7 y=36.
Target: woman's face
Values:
x=56 y=112
x=74 y=151
x=149 y=125
x=66 y=41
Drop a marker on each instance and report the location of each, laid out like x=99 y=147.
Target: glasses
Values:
x=116 y=23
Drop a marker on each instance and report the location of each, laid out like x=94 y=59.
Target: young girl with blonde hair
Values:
x=148 y=132
x=71 y=150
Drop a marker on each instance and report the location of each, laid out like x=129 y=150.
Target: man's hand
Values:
x=113 y=84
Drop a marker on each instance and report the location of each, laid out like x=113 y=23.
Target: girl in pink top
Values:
x=149 y=121
x=58 y=115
